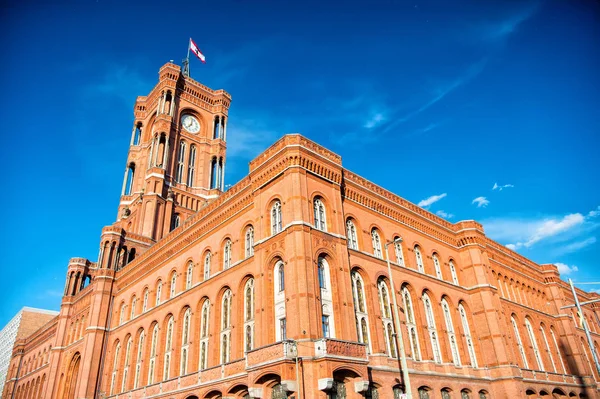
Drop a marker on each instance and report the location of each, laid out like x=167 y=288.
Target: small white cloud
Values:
x=576 y=246
x=443 y=214
x=511 y=246
x=500 y=188
x=553 y=227
x=428 y=201
x=377 y=119
x=481 y=202
x=566 y=269
x=594 y=213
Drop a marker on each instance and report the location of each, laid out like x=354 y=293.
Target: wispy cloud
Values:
x=481 y=202
x=500 y=188
x=575 y=246
x=428 y=201
x=594 y=213
x=444 y=215
x=551 y=228
x=501 y=30
x=566 y=269
x=375 y=120
x=119 y=81
x=50 y=294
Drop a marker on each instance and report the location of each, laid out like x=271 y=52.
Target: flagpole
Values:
x=186 y=61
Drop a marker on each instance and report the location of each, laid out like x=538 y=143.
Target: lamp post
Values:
x=399 y=340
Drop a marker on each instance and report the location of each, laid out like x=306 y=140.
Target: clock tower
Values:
x=175 y=164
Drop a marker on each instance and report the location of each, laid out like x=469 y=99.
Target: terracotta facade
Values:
x=279 y=287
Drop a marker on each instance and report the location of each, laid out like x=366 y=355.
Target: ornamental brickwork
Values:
x=279 y=286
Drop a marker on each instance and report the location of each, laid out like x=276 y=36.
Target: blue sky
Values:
x=436 y=102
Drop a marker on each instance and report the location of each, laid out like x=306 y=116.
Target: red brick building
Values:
x=279 y=287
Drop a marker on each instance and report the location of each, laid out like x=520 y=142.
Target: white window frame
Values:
x=319 y=215
x=467 y=331
x=519 y=342
x=431 y=328
x=451 y=334
x=249 y=241
x=227 y=254
x=419 y=259
x=376 y=241
x=189 y=276
x=351 y=235
x=437 y=266
x=276 y=218
x=360 y=309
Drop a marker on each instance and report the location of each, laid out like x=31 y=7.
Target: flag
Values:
x=197 y=51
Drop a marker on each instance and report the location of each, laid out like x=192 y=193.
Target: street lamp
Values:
x=399 y=340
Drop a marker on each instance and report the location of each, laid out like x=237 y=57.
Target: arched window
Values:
x=113 y=380
x=433 y=336
x=191 y=166
x=249 y=241
x=122 y=314
x=534 y=344
x=133 y=305
x=562 y=363
x=319 y=212
x=127 y=363
x=465 y=394
x=158 y=293
x=376 y=240
x=386 y=318
x=436 y=265
x=467 y=332
x=185 y=342
x=173 y=287
x=326 y=297
x=419 y=259
x=423 y=393
x=176 y=222
x=451 y=334
x=227 y=254
x=139 y=359
x=411 y=324
x=249 y=315
x=519 y=342
x=276 y=223
x=180 y=163
x=145 y=301
x=137 y=132
x=548 y=351
x=398 y=251
x=226 y=327
x=207 y=266
x=127 y=190
x=279 y=300
x=360 y=309
x=168 y=348
x=351 y=235
x=189 y=275
x=446 y=393
x=204 y=326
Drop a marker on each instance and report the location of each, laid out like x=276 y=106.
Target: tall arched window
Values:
x=138 y=360
x=180 y=163
x=122 y=314
x=191 y=166
x=137 y=132
x=519 y=342
x=386 y=318
x=227 y=254
x=534 y=344
x=185 y=342
x=326 y=297
x=168 y=349
x=411 y=324
x=152 y=363
x=249 y=315
x=562 y=363
x=145 y=301
x=438 y=268
x=319 y=213
x=204 y=326
x=128 y=188
x=398 y=251
x=173 y=288
x=249 y=241
x=133 y=305
x=433 y=335
x=189 y=275
x=548 y=351
x=360 y=309
x=376 y=240
x=279 y=300
x=451 y=334
x=226 y=327
x=351 y=235
x=207 y=265
x=176 y=222
x=419 y=259
x=127 y=363
x=467 y=332
x=276 y=223
x=113 y=379
x=158 y=293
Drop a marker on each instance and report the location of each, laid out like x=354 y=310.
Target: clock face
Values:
x=190 y=123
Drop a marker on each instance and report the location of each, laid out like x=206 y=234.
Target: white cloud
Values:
x=375 y=120
x=594 y=213
x=428 y=201
x=481 y=202
x=576 y=246
x=500 y=188
x=566 y=269
x=553 y=227
x=443 y=214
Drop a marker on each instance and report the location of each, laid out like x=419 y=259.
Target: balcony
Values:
x=338 y=348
